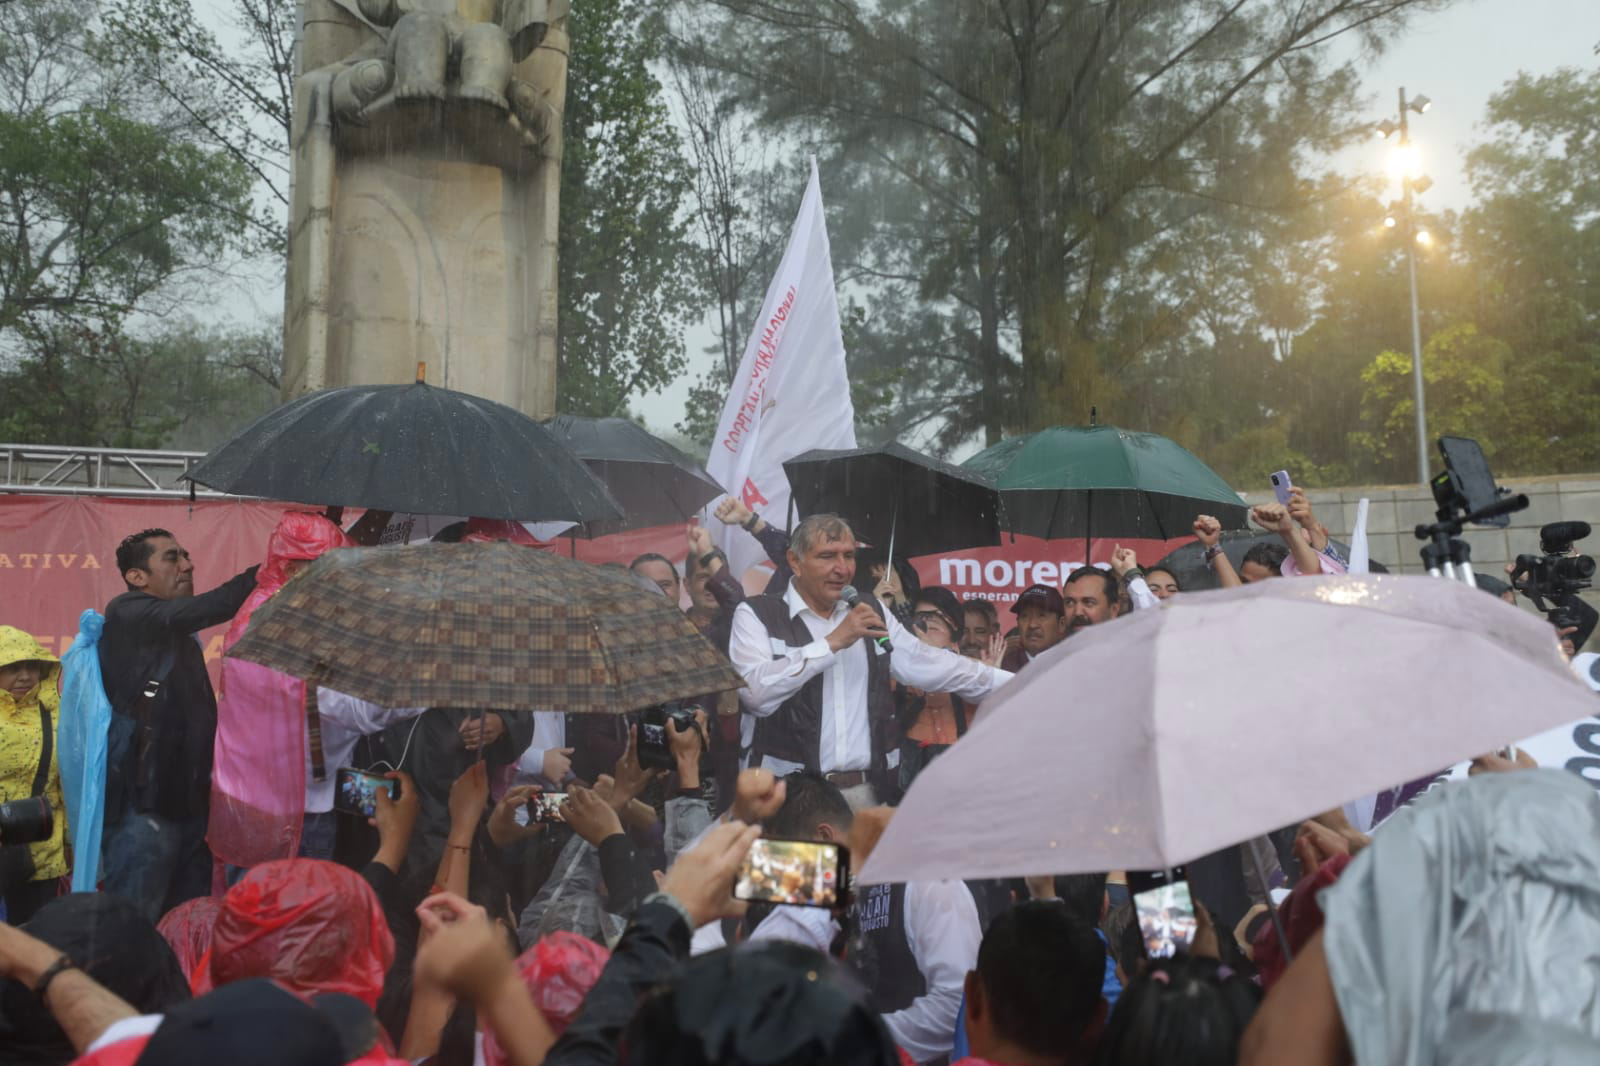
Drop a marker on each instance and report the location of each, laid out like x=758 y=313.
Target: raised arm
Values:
x=1275 y=516
x=190 y=614
x=1208 y=531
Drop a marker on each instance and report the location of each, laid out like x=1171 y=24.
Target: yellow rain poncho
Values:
x=20 y=743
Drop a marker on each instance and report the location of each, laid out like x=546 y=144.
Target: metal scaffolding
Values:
x=58 y=470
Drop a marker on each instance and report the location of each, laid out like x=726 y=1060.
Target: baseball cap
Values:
x=1045 y=596
x=257 y=1021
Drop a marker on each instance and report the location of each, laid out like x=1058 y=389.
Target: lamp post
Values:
x=1411 y=235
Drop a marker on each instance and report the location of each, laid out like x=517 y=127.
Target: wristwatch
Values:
x=750 y=523
x=1133 y=572
x=1212 y=552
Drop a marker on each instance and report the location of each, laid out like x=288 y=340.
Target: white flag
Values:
x=791 y=393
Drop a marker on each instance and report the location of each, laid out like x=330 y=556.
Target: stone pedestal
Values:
x=422 y=229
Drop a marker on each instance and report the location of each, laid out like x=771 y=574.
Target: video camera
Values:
x=1558 y=576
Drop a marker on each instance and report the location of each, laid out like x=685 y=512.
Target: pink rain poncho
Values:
x=258 y=785
x=559 y=970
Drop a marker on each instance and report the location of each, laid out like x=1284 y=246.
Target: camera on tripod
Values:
x=1558 y=576
x=1465 y=494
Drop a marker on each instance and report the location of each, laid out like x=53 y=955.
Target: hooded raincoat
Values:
x=258 y=781
x=21 y=742
x=310 y=925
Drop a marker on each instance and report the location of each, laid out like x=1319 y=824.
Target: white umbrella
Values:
x=1166 y=735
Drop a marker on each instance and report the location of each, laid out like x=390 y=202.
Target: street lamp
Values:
x=1402 y=216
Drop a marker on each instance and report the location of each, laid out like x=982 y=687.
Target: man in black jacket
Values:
x=158 y=768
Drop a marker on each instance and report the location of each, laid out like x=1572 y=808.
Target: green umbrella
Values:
x=1101 y=481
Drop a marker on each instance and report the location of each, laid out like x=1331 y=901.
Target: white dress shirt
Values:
x=773 y=671
x=549 y=731
x=943 y=932
x=345 y=720
x=1141 y=596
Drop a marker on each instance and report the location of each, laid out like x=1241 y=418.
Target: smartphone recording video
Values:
x=802 y=873
x=356 y=791
x=545 y=807
x=1281 y=484
x=1167 y=922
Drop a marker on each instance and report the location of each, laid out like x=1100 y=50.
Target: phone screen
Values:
x=356 y=791
x=804 y=873
x=546 y=806
x=1167 y=921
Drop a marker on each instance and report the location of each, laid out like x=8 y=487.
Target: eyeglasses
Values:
x=921 y=619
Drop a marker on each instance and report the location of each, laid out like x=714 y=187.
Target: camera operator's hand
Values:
x=862 y=621
x=503 y=827
x=1567 y=647
x=702 y=878
x=1300 y=511
x=1207 y=530
x=590 y=816
x=757 y=796
x=1315 y=844
x=686 y=748
x=631 y=778
x=395 y=819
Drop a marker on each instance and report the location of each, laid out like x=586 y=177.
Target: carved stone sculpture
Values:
x=426 y=163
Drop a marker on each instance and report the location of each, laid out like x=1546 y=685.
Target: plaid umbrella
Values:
x=482 y=625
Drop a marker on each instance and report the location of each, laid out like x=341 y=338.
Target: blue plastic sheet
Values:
x=81 y=744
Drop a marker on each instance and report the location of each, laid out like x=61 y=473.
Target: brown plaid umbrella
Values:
x=482 y=625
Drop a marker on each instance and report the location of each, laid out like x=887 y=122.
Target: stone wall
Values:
x=1396 y=510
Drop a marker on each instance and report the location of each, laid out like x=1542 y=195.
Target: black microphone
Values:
x=852 y=598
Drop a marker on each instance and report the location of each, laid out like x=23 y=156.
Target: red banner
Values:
x=58 y=555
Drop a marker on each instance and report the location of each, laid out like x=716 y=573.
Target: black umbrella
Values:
x=655 y=482
x=1188 y=563
x=897 y=499
x=412 y=448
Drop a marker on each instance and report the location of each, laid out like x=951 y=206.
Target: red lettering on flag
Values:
x=752 y=496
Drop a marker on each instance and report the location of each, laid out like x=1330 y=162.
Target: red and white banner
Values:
x=791 y=393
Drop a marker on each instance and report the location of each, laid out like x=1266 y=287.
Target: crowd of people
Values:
x=533 y=890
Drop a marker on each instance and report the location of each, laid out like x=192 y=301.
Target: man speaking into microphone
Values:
x=817 y=670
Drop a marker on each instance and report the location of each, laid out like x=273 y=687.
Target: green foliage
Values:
x=625 y=287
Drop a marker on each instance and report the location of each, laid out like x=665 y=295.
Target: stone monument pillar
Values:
x=425 y=186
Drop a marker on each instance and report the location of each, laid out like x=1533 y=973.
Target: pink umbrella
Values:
x=1171 y=733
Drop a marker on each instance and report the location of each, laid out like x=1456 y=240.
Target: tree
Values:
x=234 y=99
x=1533 y=241
x=626 y=286
x=107 y=212
x=1034 y=165
x=1463 y=373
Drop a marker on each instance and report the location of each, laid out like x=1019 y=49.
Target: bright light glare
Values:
x=1404 y=162
x=1424 y=237
x=1391 y=222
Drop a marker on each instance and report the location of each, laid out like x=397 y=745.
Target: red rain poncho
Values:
x=559 y=970
x=187 y=927
x=258 y=784
x=312 y=926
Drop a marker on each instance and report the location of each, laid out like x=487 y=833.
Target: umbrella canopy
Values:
x=1168 y=734
x=483 y=625
x=1101 y=481
x=411 y=448
x=655 y=483
x=893 y=493
x=1188 y=563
